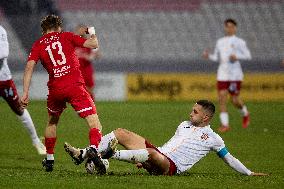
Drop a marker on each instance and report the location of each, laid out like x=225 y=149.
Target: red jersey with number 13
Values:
x=56 y=51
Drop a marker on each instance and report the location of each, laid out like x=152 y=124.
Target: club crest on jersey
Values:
x=204 y=136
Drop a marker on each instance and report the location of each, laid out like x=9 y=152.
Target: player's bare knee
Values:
x=126 y=139
x=235 y=100
x=121 y=133
x=153 y=154
x=222 y=98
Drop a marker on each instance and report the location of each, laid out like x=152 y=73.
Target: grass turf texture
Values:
x=259 y=147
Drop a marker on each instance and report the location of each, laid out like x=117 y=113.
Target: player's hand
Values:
x=258 y=174
x=139 y=165
x=94 y=36
x=205 y=54
x=233 y=58
x=24 y=100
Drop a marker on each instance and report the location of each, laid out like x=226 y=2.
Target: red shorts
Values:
x=172 y=168
x=9 y=92
x=233 y=87
x=76 y=95
x=87 y=73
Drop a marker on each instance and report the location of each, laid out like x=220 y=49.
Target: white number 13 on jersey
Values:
x=56 y=45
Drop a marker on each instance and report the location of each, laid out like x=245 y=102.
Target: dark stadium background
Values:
x=156 y=35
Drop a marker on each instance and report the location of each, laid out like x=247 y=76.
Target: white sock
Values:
x=49 y=157
x=29 y=125
x=244 y=111
x=105 y=141
x=94 y=146
x=84 y=153
x=103 y=144
x=224 y=117
x=132 y=156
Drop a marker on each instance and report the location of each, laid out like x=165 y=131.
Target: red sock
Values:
x=95 y=136
x=49 y=144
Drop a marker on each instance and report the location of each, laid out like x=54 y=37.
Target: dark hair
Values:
x=207 y=106
x=230 y=20
x=50 y=22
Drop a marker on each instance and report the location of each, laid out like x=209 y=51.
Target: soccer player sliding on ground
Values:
x=56 y=51
x=192 y=141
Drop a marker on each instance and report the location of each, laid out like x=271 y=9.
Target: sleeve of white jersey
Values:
x=4 y=46
x=223 y=153
x=243 y=52
x=218 y=143
x=236 y=164
x=214 y=56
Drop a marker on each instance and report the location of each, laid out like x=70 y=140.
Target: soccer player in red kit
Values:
x=56 y=51
x=86 y=56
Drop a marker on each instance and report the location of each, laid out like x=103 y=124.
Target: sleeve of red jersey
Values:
x=77 y=40
x=35 y=53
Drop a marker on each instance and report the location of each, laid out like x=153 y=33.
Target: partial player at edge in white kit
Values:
x=9 y=93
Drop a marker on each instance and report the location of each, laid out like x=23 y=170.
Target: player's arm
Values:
x=27 y=81
x=242 y=54
x=212 y=57
x=235 y=164
x=78 y=41
x=4 y=49
x=92 y=42
x=245 y=52
x=32 y=60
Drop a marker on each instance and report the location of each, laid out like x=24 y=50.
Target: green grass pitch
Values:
x=260 y=147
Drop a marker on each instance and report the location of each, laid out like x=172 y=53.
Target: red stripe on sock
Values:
x=95 y=136
x=49 y=144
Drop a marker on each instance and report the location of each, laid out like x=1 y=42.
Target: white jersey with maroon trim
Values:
x=190 y=144
x=225 y=47
x=5 y=73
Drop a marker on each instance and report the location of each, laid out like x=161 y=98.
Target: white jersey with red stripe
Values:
x=190 y=144
x=225 y=47
x=5 y=73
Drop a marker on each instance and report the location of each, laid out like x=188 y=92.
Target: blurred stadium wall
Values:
x=160 y=36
